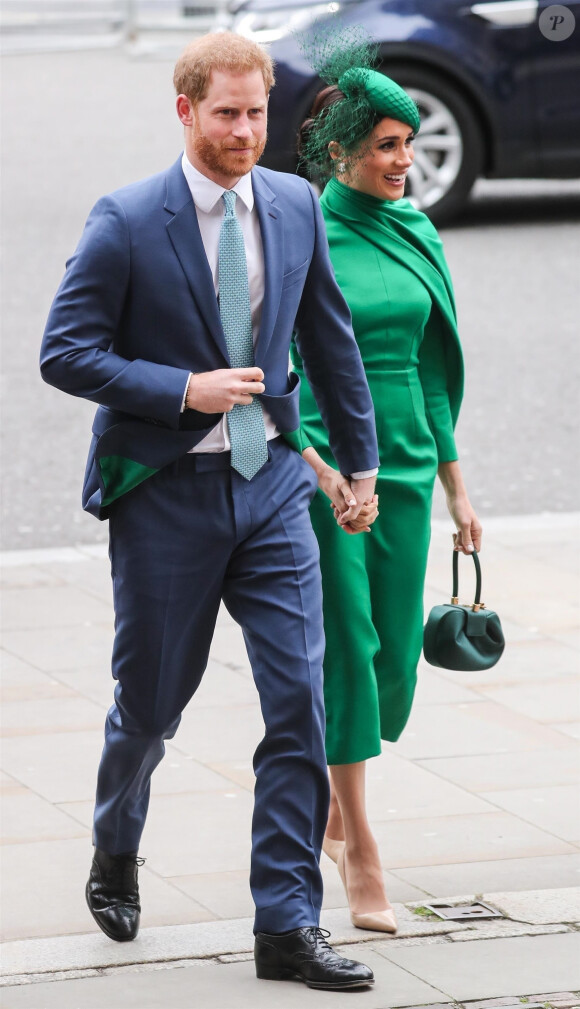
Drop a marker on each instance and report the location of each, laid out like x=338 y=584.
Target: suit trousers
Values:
x=191 y=535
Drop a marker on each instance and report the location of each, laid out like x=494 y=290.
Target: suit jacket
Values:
x=136 y=312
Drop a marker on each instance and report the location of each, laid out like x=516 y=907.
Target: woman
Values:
x=390 y=266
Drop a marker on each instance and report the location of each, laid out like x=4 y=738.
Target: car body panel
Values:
x=522 y=87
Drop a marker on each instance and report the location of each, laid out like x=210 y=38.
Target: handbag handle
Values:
x=477 y=604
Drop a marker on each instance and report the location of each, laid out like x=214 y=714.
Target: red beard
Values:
x=221 y=159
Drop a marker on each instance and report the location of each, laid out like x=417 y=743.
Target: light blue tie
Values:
x=245 y=423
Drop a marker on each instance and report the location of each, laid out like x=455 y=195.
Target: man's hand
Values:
x=219 y=391
x=363 y=491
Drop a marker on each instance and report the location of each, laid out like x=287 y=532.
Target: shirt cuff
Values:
x=185 y=392
x=364 y=474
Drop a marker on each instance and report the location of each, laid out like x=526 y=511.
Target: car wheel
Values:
x=448 y=148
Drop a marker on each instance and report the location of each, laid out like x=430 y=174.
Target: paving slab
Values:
x=232 y=736
x=565 y=999
x=400 y=891
x=212 y=986
x=555 y=809
x=21 y=682
x=571 y=638
x=62 y=767
x=214 y=834
x=93 y=682
x=463 y=729
x=490 y=967
x=497 y=771
x=31 y=576
x=27 y=817
x=63 y=714
x=228 y=644
x=551 y=700
x=568 y=728
x=433 y=688
x=62 y=647
x=399 y=789
x=240 y=772
x=92 y=950
x=539 y=906
x=548 y=871
x=523 y=661
x=227 y=894
x=52 y=607
x=506 y=930
x=221 y=683
x=452 y=839
x=92 y=575
x=60 y=869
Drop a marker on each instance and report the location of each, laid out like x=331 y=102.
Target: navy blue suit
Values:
x=135 y=313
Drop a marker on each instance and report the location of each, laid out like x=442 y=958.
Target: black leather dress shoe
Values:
x=112 y=894
x=305 y=954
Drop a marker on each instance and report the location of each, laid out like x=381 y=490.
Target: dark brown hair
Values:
x=334 y=117
x=324 y=100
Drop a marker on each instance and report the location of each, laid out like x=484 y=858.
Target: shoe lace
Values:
x=318 y=937
x=121 y=874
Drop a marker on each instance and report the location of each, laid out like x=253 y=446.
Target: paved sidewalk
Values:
x=479 y=797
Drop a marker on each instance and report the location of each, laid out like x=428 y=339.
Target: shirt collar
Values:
x=206 y=193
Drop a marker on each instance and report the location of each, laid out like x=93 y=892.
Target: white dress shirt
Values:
x=210 y=210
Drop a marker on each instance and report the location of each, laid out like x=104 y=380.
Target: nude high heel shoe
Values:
x=374 y=921
x=332 y=847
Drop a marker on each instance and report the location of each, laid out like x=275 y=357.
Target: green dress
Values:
x=390 y=267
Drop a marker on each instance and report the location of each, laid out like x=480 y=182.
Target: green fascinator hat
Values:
x=383 y=95
x=345 y=59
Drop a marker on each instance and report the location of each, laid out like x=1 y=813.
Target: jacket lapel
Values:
x=185 y=237
x=271 y=226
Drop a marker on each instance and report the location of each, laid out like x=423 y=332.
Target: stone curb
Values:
x=56 y=958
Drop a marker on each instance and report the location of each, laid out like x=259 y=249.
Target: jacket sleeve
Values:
x=77 y=355
x=433 y=376
x=332 y=362
x=298 y=440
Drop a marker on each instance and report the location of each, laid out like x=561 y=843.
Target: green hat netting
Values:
x=345 y=57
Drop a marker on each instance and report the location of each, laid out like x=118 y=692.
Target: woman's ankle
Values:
x=363 y=849
x=335 y=826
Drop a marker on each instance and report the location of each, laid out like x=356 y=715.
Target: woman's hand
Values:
x=332 y=483
x=468 y=535
x=364 y=520
x=336 y=487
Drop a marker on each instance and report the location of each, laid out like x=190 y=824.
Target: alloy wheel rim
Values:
x=438 y=151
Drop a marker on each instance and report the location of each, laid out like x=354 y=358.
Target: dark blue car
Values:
x=497 y=85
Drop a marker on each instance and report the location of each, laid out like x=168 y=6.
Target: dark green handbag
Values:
x=466 y=636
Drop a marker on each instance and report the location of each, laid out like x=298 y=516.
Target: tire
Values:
x=448 y=157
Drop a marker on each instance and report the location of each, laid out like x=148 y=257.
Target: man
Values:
x=206 y=500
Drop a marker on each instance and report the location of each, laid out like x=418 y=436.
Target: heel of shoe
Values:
x=269 y=972
x=332 y=847
x=269 y=963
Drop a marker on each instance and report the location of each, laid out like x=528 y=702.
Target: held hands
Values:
x=365 y=518
x=353 y=502
x=219 y=391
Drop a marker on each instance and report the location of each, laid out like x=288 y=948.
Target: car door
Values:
x=557 y=87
